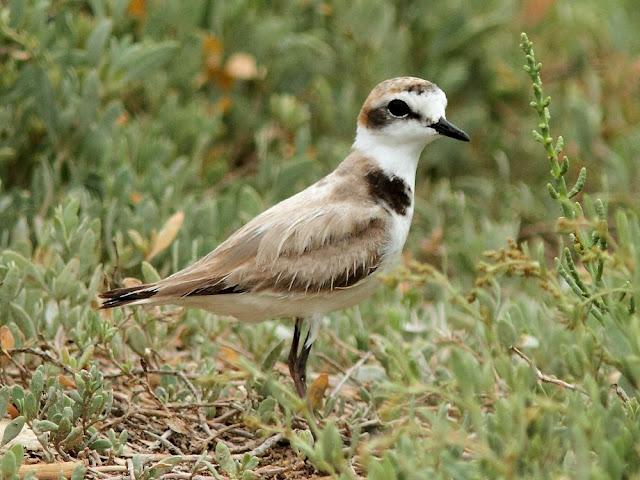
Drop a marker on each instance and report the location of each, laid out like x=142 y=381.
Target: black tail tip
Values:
x=123 y=296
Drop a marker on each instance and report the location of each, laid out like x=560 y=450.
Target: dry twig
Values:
x=348 y=374
x=204 y=443
x=542 y=377
x=47 y=357
x=50 y=471
x=265 y=446
x=164 y=440
x=622 y=395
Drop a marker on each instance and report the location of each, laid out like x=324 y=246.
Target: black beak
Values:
x=443 y=127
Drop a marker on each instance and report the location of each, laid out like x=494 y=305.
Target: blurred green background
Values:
x=117 y=114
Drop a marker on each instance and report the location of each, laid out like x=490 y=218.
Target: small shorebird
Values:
x=321 y=249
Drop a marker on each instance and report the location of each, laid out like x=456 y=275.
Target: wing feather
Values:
x=308 y=243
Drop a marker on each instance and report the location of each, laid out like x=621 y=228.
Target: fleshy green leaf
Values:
x=13 y=429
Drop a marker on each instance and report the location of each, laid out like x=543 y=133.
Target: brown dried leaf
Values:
x=405 y=287
x=122 y=119
x=213 y=69
x=222 y=80
x=325 y=9
x=315 y=394
x=12 y=411
x=7 y=342
x=20 y=55
x=66 y=382
x=177 y=425
x=154 y=380
x=166 y=235
x=241 y=66
x=228 y=355
x=212 y=54
x=533 y=11
x=135 y=197
x=224 y=104
x=6 y=338
x=137 y=8
x=129 y=282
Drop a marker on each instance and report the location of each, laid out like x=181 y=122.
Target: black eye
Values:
x=398 y=108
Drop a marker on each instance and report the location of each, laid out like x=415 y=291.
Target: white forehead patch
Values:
x=430 y=105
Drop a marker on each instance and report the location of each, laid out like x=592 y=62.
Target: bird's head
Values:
x=407 y=110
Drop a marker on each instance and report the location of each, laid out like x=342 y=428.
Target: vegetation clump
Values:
x=136 y=135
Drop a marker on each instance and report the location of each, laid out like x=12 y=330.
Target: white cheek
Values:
x=413 y=130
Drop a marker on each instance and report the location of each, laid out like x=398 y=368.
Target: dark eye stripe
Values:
x=380 y=117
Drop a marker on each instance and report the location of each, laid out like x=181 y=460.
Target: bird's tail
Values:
x=126 y=296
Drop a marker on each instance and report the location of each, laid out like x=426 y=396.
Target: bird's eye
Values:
x=398 y=108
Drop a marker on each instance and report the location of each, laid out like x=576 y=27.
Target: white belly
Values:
x=251 y=307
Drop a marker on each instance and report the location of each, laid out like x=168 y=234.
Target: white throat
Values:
x=394 y=157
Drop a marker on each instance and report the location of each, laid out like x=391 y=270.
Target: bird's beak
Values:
x=443 y=127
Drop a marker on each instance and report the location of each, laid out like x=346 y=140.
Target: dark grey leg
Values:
x=298 y=357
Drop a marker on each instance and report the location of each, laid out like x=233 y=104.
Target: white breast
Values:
x=397 y=160
x=399 y=230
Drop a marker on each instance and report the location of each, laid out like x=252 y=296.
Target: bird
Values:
x=324 y=248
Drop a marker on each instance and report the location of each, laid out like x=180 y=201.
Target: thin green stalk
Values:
x=559 y=191
x=559 y=167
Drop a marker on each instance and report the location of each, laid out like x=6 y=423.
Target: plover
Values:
x=321 y=249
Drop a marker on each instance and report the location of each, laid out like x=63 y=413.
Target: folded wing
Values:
x=311 y=250
x=309 y=243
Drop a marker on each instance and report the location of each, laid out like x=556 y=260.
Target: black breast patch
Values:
x=392 y=190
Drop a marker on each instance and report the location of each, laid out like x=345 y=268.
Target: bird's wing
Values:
x=310 y=243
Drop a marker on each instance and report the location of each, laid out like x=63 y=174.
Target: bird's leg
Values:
x=293 y=357
x=297 y=360
x=302 y=360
